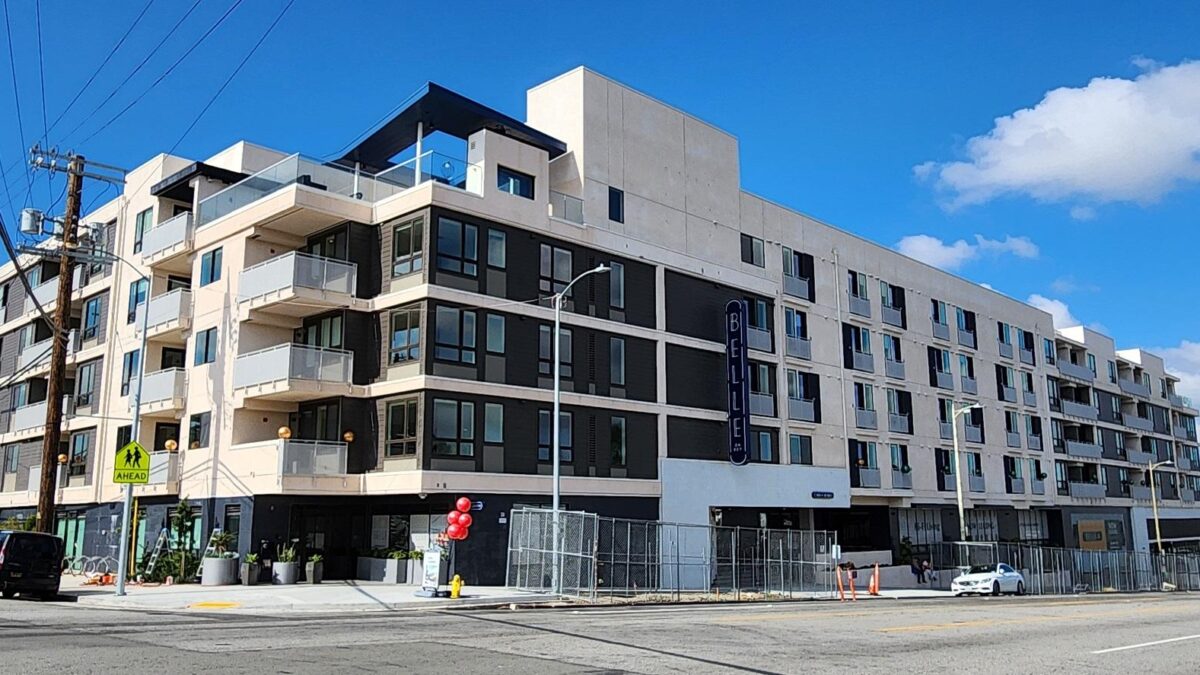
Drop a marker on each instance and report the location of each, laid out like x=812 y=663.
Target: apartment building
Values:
x=341 y=347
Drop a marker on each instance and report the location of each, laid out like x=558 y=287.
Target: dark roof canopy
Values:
x=441 y=110
x=177 y=185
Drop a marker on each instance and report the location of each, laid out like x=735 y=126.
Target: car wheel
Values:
x=1020 y=588
x=996 y=588
x=8 y=593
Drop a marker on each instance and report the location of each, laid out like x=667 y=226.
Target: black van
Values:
x=30 y=564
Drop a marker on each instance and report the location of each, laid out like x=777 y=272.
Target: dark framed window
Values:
x=124 y=435
x=129 y=369
x=457 y=247
x=406 y=335
x=12 y=458
x=80 y=444
x=800 y=449
x=546 y=353
x=233 y=523
x=497 y=249
x=514 y=182
x=616 y=205
x=199 y=426
x=762 y=447
x=453 y=428
x=753 y=252
x=555 y=269
x=493 y=423
x=91 y=319
x=617 y=441
x=407 y=254
x=85 y=384
x=210 y=267
x=616 y=285
x=137 y=295
x=616 y=361
x=141 y=225
x=454 y=335
x=206 y=346
x=402 y=428
x=495 y=334
x=566 y=445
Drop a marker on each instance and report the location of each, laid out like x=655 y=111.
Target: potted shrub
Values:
x=285 y=570
x=416 y=558
x=314 y=569
x=250 y=568
x=220 y=566
x=383 y=565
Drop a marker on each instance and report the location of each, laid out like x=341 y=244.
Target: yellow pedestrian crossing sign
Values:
x=132 y=465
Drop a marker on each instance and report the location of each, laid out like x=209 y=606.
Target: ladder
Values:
x=210 y=548
x=158 y=547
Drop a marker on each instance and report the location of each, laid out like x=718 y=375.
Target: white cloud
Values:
x=1183 y=361
x=1057 y=309
x=1083 y=213
x=986 y=285
x=951 y=257
x=1112 y=140
x=1069 y=284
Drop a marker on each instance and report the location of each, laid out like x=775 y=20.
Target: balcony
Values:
x=943 y=380
x=1140 y=423
x=865 y=419
x=1033 y=442
x=164 y=475
x=1183 y=433
x=760 y=339
x=294 y=466
x=974 y=434
x=1026 y=356
x=292 y=372
x=1084 y=410
x=799 y=347
x=1138 y=456
x=867 y=478
x=969 y=385
x=901 y=480
x=1016 y=486
x=863 y=361
x=900 y=424
x=1133 y=388
x=802 y=409
x=1037 y=487
x=941 y=331
x=893 y=369
x=1084 y=449
x=966 y=338
x=32 y=416
x=169 y=314
x=797 y=287
x=1030 y=398
x=762 y=404
x=45 y=293
x=976 y=483
x=1086 y=490
x=860 y=306
x=1183 y=463
x=1141 y=493
x=945 y=430
x=893 y=316
x=1006 y=349
x=1013 y=439
x=1077 y=372
x=1188 y=495
x=311 y=458
x=35 y=357
x=163 y=392
x=297 y=285
x=565 y=207
x=168 y=241
x=1008 y=394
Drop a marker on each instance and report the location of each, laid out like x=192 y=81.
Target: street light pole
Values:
x=555 y=457
x=958 y=489
x=1162 y=560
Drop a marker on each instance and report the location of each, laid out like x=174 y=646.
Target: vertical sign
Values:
x=738 y=373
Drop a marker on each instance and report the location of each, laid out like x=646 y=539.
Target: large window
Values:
x=457 y=247
x=554 y=269
x=12 y=458
x=493 y=423
x=762 y=447
x=495 y=334
x=616 y=361
x=752 y=251
x=199 y=427
x=406 y=335
x=938 y=312
x=616 y=205
x=210 y=267
x=566 y=451
x=800 y=449
x=891 y=348
x=406 y=247
x=85 y=379
x=454 y=335
x=616 y=285
x=546 y=354
x=91 y=318
x=857 y=284
x=79 y=454
x=129 y=369
x=453 y=428
x=497 y=249
x=795 y=323
x=137 y=295
x=206 y=346
x=141 y=225
x=617 y=441
x=514 y=182
x=402 y=428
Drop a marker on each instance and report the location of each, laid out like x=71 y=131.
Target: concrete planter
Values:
x=386 y=570
x=284 y=573
x=218 y=572
x=250 y=574
x=314 y=572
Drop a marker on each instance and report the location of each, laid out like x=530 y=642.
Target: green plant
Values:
x=416 y=554
x=316 y=558
x=185 y=563
x=221 y=541
x=398 y=554
x=906 y=550
x=181 y=522
x=285 y=554
x=19 y=523
x=251 y=558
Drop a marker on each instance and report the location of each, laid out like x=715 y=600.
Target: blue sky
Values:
x=836 y=106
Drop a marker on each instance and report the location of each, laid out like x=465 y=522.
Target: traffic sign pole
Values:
x=126 y=513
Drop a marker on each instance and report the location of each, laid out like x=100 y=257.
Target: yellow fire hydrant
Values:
x=456 y=585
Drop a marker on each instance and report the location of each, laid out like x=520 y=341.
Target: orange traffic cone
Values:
x=873 y=589
x=841 y=588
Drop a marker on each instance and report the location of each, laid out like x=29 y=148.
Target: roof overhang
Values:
x=178 y=186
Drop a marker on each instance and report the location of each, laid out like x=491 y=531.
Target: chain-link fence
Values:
x=598 y=556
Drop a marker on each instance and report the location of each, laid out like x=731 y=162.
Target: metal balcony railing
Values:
x=797 y=287
x=901 y=480
x=1084 y=410
x=1006 y=349
x=893 y=369
x=868 y=477
x=1087 y=490
x=762 y=404
x=1133 y=388
x=941 y=331
x=863 y=361
x=29 y=416
x=802 y=409
x=799 y=347
x=977 y=483
x=760 y=339
x=1084 y=449
x=865 y=419
x=1078 y=372
x=175 y=306
x=860 y=306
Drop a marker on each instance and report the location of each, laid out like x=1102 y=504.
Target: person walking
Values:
x=918 y=570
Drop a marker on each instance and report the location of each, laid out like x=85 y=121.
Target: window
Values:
x=752 y=251
x=555 y=269
x=616 y=361
x=1112 y=372
x=617 y=441
x=453 y=428
x=198 y=430
x=762 y=447
x=938 y=313
x=12 y=456
x=137 y=296
x=497 y=249
x=860 y=339
x=616 y=285
x=1027 y=382
x=864 y=396
x=966 y=366
x=894 y=402
x=1091 y=363
x=457 y=247
x=514 y=182
x=210 y=267
x=857 y=284
x=233 y=523
x=91 y=319
x=945 y=410
x=862 y=454
x=800 y=449
x=402 y=428
x=20 y=395
x=406 y=335
x=795 y=323
x=966 y=320
x=546 y=355
x=760 y=379
x=85 y=380
x=141 y=225
x=495 y=334
x=757 y=313
x=454 y=335
x=891 y=348
x=1048 y=351
x=940 y=359
x=616 y=205
x=974 y=464
x=1004 y=333
x=899 y=457
x=206 y=347
x=79 y=455
x=407 y=255
x=493 y=423
x=1012 y=423
x=565 y=445
x=798 y=386
x=129 y=369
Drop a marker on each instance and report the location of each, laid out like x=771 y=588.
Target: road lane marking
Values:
x=1021 y=620
x=213 y=604
x=1147 y=644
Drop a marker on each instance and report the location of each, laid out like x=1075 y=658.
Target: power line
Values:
x=12 y=66
x=42 y=84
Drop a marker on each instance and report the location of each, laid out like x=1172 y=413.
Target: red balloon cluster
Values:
x=458 y=521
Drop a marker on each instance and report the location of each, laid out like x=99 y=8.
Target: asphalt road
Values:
x=975 y=635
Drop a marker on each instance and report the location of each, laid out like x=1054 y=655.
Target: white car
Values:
x=994 y=579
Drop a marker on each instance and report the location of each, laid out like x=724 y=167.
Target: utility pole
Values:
x=58 y=353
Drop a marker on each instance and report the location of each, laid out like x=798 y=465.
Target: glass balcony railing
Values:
x=46 y=294
x=29 y=416
x=164 y=309
x=293 y=362
x=163 y=385
x=300 y=270
x=565 y=207
x=164 y=237
x=311 y=458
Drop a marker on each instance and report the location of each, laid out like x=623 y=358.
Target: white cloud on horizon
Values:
x=1183 y=361
x=953 y=256
x=1067 y=285
x=1112 y=140
x=1061 y=313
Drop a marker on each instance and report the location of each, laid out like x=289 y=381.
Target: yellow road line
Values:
x=214 y=605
